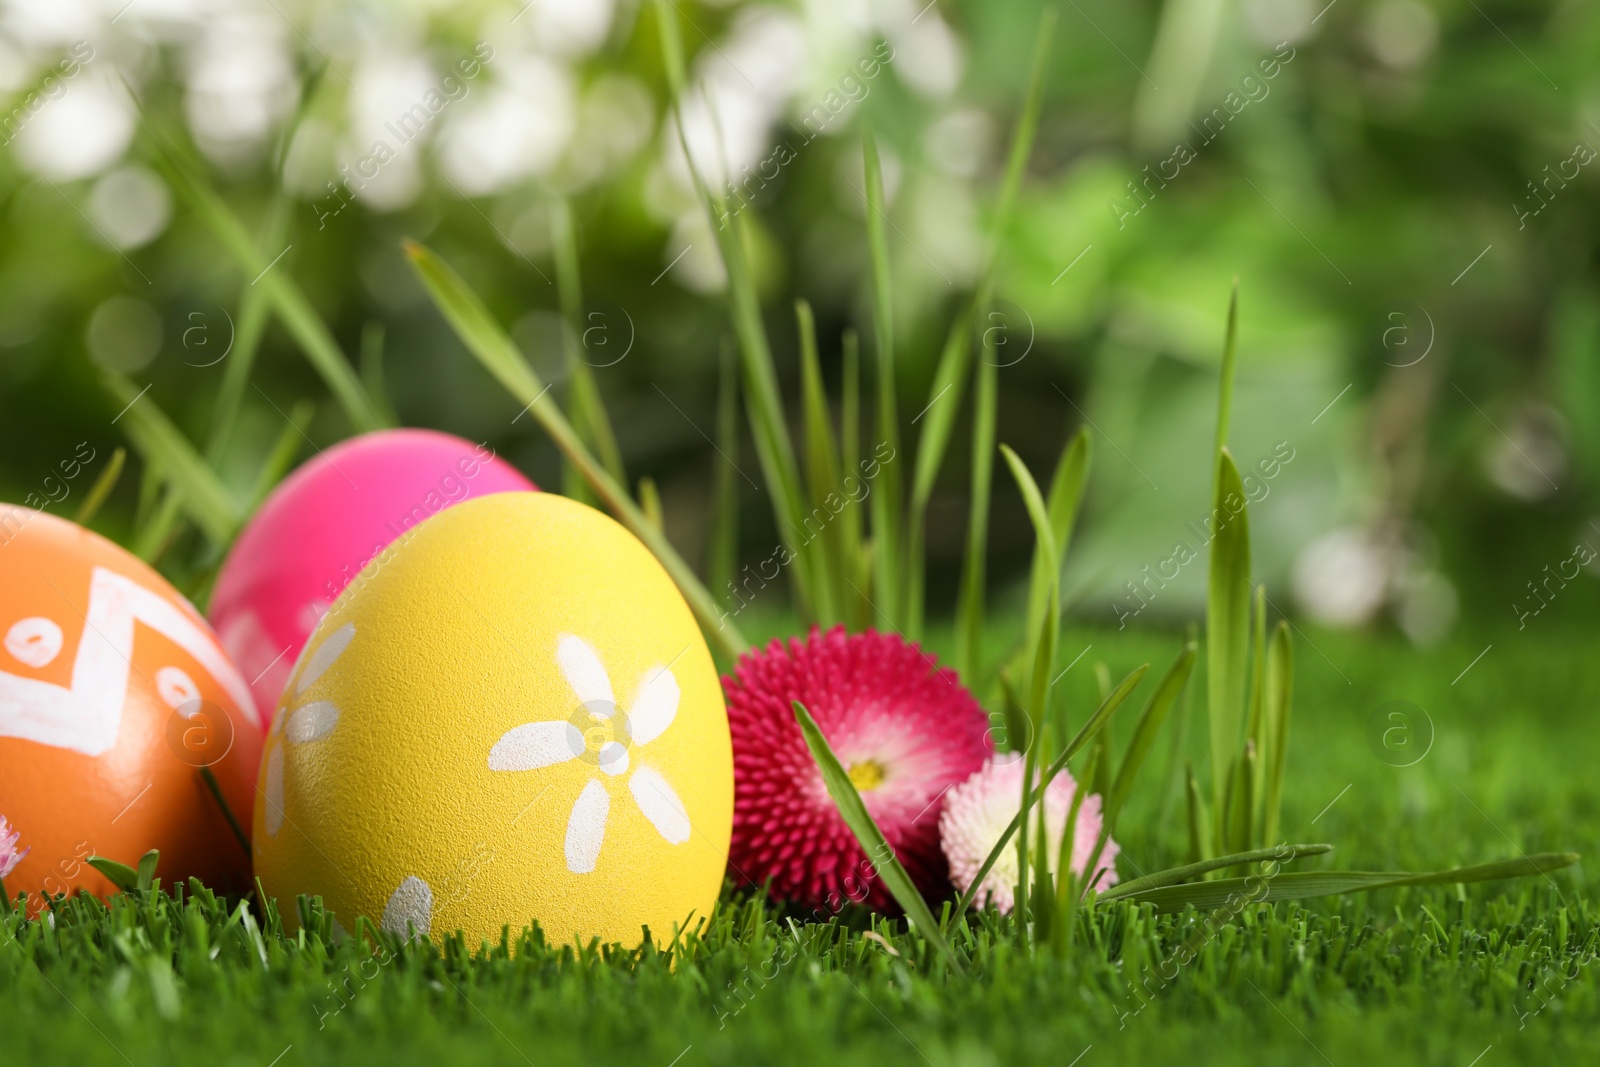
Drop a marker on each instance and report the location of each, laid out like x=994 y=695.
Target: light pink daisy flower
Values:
x=9 y=856
x=977 y=811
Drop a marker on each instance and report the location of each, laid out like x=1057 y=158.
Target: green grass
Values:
x=1431 y=975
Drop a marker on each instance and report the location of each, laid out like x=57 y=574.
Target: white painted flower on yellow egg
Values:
x=544 y=744
x=302 y=722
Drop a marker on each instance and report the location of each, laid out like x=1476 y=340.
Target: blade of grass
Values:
x=774 y=449
x=1199 y=821
x=886 y=502
x=371 y=368
x=120 y=875
x=1302 y=885
x=1280 y=692
x=873 y=843
x=1043 y=589
x=1193 y=872
x=1257 y=729
x=944 y=404
x=205 y=498
x=829 y=589
x=186 y=175
x=101 y=488
x=1102 y=714
x=1151 y=720
x=1227 y=628
x=485 y=339
x=1172 y=778
x=283 y=454
x=587 y=411
x=650 y=503
x=970 y=608
x=852 y=551
x=723 y=557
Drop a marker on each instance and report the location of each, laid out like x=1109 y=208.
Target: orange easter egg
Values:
x=114 y=693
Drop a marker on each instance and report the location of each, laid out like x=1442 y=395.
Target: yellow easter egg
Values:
x=509 y=716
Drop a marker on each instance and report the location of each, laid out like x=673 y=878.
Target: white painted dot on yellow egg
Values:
x=35 y=641
x=586 y=828
x=319 y=661
x=312 y=722
x=536 y=744
x=660 y=805
x=613 y=757
x=409 y=912
x=585 y=673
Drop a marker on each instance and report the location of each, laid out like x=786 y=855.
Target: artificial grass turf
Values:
x=1408 y=975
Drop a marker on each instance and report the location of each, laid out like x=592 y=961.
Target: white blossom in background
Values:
x=1342 y=578
x=1350 y=575
x=615 y=119
x=382 y=146
x=516 y=124
x=39 y=25
x=569 y=28
x=241 y=83
x=130 y=207
x=1529 y=459
x=81 y=132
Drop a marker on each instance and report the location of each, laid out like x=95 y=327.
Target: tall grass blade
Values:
x=206 y=500
x=650 y=504
x=886 y=503
x=1044 y=589
x=1227 y=628
x=588 y=412
x=827 y=499
x=879 y=852
x=853 y=552
x=1302 y=885
x=101 y=489
x=283 y=454
x=1257 y=729
x=970 y=607
x=1149 y=726
x=263 y=269
x=485 y=339
x=723 y=555
x=774 y=449
x=1280 y=692
x=938 y=424
x=255 y=307
x=1199 y=821
x=1228 y=590
x=1193 y=872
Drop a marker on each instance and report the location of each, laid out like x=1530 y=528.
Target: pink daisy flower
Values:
x=906 y=731
x=977 y=811
x=9 y=856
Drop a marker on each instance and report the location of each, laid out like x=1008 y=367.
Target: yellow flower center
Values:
x=866 y=775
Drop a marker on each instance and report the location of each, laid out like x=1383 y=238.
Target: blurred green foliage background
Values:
x=1405 y=189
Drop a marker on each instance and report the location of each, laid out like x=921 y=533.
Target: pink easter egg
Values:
x=320 y=527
